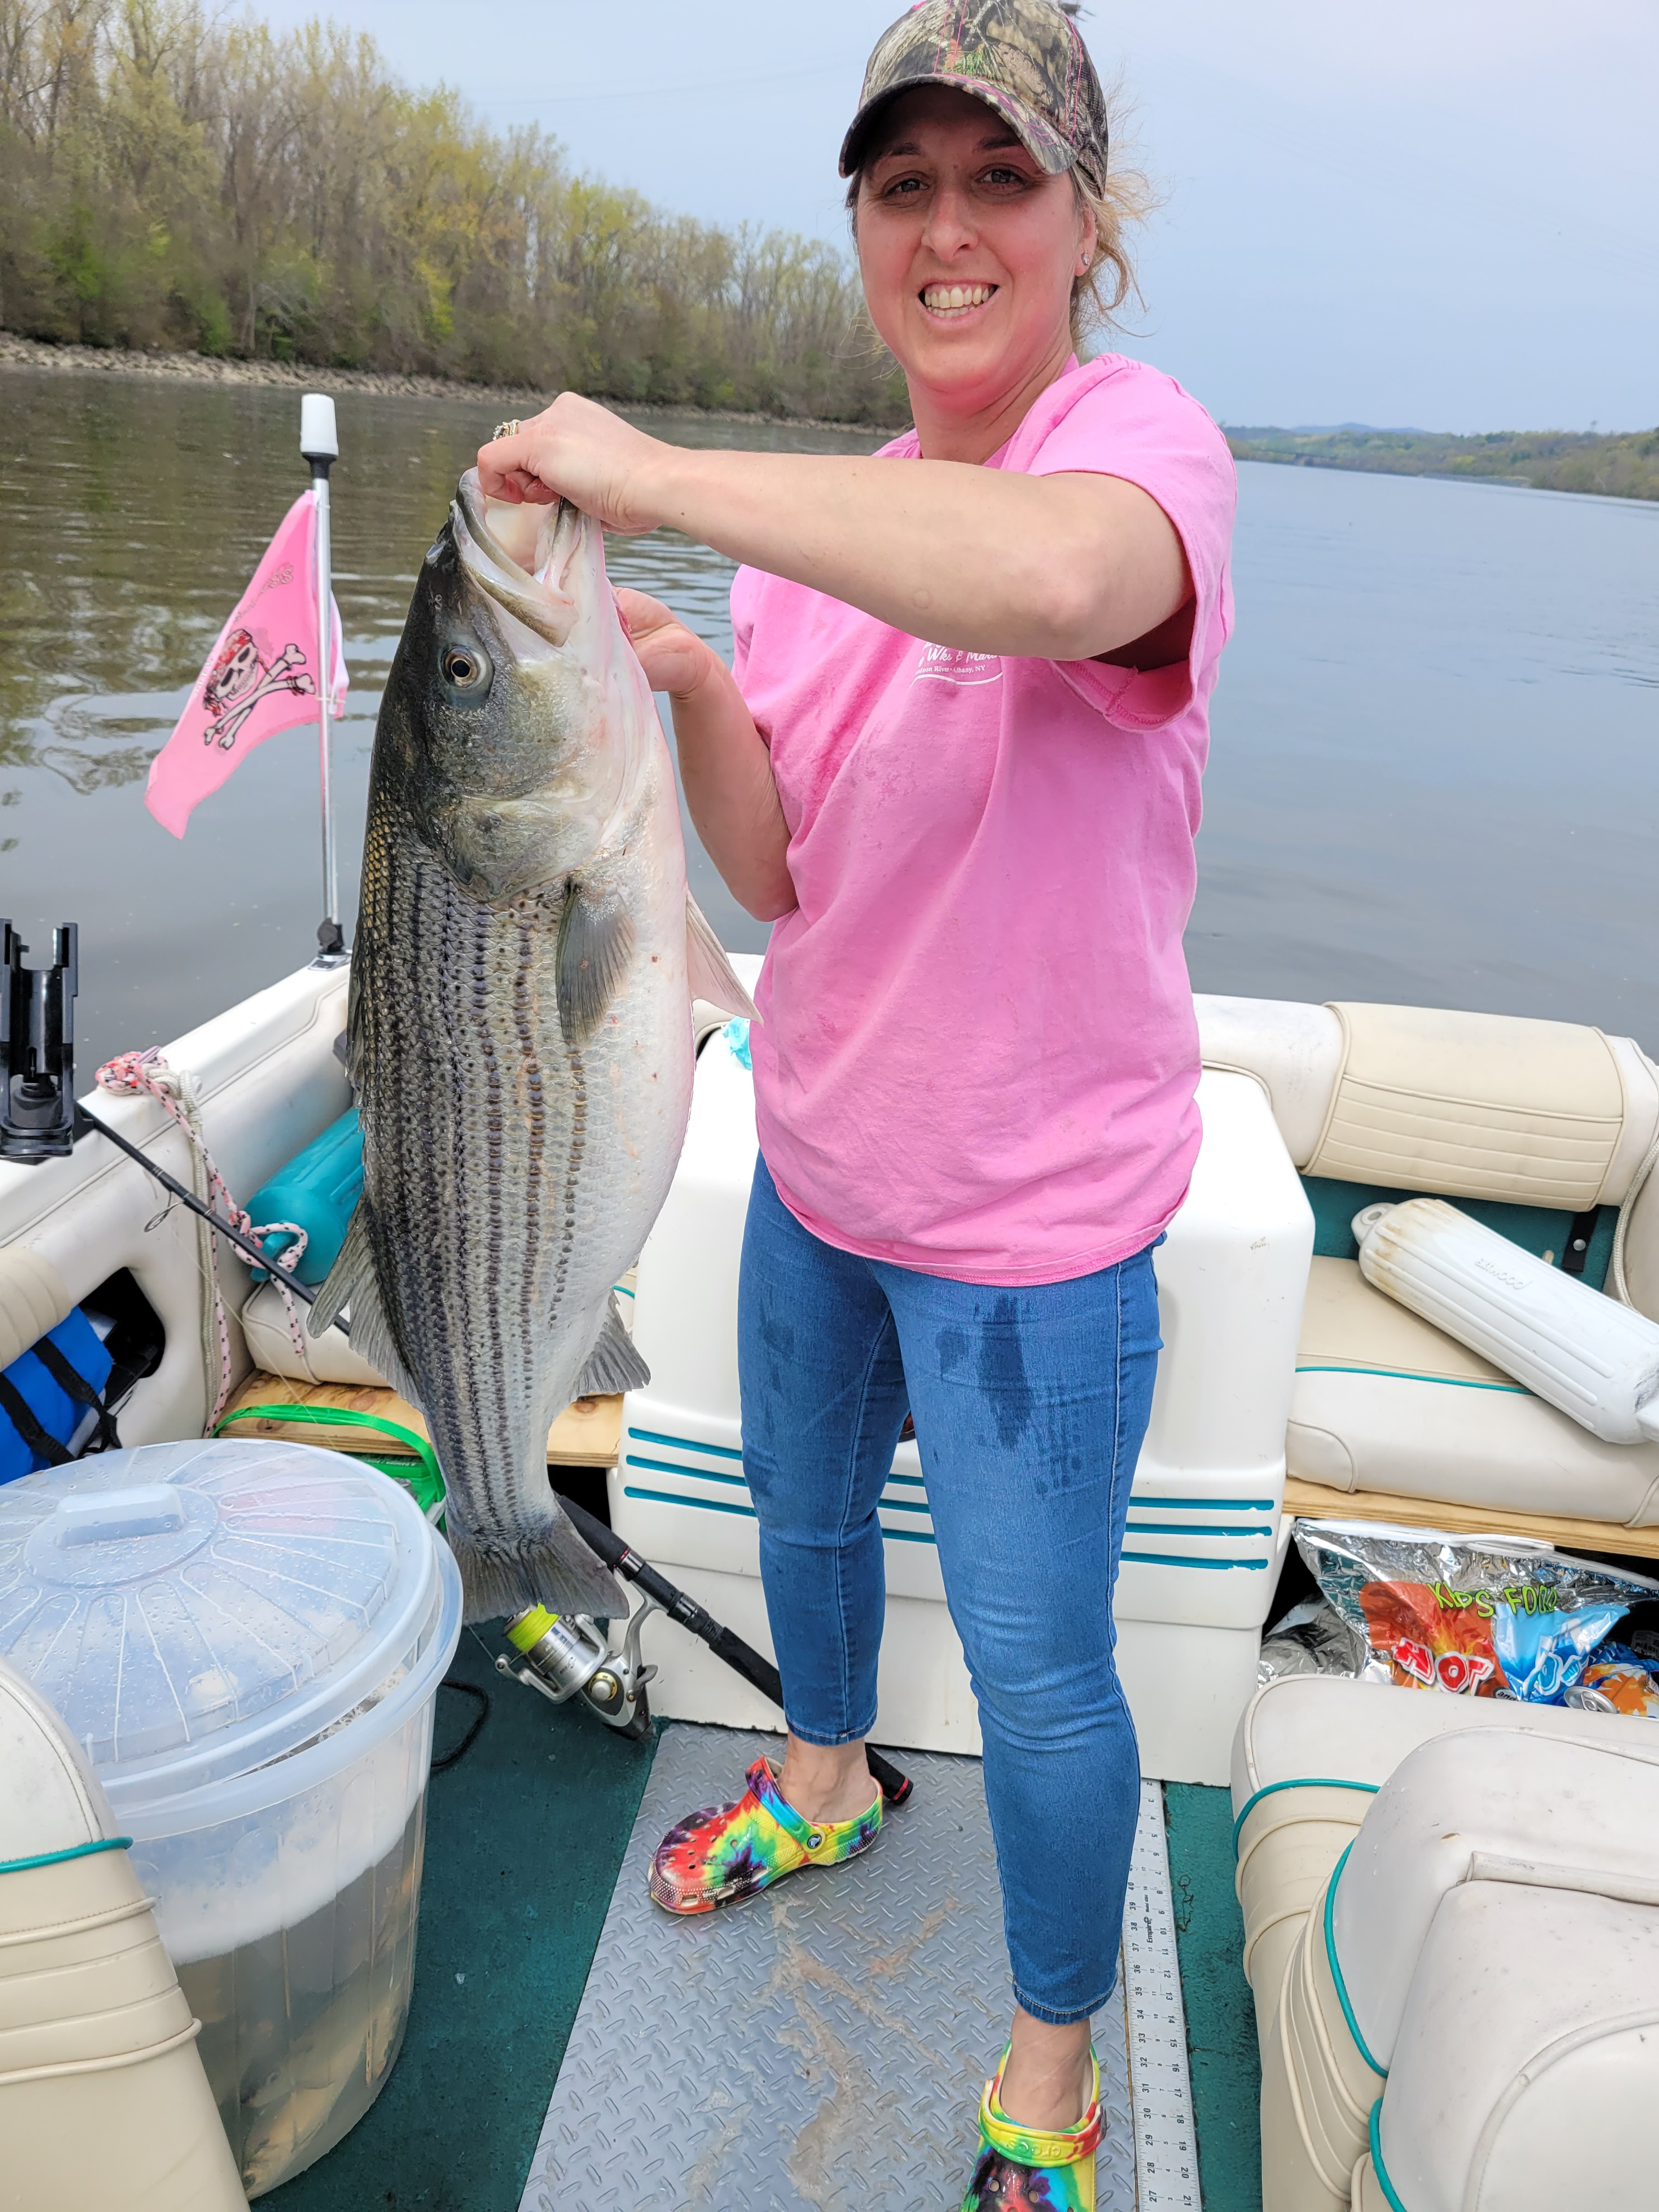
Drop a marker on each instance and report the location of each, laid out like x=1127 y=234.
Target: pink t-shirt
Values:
x=978 y=1054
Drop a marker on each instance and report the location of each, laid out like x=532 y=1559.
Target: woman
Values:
x=955 y=763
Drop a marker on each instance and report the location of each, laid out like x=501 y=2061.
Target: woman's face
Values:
x=969 y=251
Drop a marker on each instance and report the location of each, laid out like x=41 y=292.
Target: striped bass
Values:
x=519 y=1026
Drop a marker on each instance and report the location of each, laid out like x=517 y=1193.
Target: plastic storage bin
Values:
x=246 y=1639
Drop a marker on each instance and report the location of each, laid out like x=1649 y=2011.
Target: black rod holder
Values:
x=37 y=1047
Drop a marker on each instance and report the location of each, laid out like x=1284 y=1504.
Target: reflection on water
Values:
x=1433 y=777
x=131 y=516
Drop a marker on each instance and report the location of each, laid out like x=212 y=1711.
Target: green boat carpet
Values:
x=524 y=1839
x=1226 y=2068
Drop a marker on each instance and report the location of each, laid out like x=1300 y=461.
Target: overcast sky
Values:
x=1442 y=214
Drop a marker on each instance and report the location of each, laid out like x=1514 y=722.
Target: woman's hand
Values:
x=675 y=659
x=577 y=451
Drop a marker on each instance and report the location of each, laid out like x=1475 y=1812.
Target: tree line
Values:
x=171 y=178
x=1619 y=465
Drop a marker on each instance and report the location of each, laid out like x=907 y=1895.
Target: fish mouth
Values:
x=516 y=553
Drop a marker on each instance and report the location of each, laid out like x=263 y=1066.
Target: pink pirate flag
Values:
x=260 y=678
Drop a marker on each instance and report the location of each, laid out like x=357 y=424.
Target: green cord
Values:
x=335 y=1417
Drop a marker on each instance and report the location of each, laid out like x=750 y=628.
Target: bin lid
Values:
x=193 y=1610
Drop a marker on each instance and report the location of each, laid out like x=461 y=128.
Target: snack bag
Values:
x=1476 y=1616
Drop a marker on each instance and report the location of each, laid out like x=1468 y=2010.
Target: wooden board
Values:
x=1311 y=1501
x=587 y=1434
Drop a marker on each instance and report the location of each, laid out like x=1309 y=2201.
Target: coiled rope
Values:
x=147 y=1075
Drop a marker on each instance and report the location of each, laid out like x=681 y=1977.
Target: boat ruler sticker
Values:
x=1155 y=2023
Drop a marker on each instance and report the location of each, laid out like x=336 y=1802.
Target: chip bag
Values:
x=1476 y=1616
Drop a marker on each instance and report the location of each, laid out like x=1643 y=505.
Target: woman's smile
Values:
x=958 y=302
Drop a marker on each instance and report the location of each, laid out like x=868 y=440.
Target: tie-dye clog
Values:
x=1033 y=2169
x=726 y=1852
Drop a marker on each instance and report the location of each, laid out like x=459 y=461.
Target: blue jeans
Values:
x=1030 y=1406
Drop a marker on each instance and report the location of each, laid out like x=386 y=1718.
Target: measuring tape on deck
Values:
x=1160 y=2085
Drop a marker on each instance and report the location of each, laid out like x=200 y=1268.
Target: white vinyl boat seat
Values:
x=103 y=2099
x=1487 y=1807
x=1384 y=1401
x=1544 y=1131
x=1526 y=2070
x=1310 y=1755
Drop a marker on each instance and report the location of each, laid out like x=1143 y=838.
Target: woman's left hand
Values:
x=577 y=451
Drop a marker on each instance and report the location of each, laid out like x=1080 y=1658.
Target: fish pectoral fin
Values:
x=352 y=1281
x=596 y=942
x=613 y=1366
x=708 y=971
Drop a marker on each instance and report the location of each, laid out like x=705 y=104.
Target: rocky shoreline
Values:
x=155 y=365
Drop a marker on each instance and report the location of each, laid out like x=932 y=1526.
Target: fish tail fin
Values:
x=550 y=1566
x=352 y=1281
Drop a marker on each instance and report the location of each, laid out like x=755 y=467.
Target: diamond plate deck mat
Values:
x=823 y=2044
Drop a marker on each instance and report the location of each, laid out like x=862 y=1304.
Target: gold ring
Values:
x=508 y=429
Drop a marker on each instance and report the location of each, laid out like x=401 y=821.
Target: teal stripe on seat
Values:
x=1169 y=1559
x=1174 y=1528
x=1378 y=2167
x=75 y=1851
x=703 y=1504
x=697 y=1473
x=683 y=1443
x=746 y=1512
x=1298 y=1781
x=1150 y=1504
x=1400 y=1375
x=1336 y=1971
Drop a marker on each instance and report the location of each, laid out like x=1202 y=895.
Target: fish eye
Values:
x=466 y=668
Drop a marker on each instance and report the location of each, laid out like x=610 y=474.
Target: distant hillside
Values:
x=1622 y=466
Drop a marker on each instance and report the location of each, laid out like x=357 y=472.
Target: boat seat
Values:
x=1536 y=1126
x=1526 y=2071
x=1482 y=1106
x=103 y=2099
x=1384 y=1401
x=1489 y=1807
x=1309 y=1754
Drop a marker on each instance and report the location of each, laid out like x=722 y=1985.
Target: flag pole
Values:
x=319 y=444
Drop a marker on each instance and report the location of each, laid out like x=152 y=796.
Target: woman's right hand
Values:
x=675 y=659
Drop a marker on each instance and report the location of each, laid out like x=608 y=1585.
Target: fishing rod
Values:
x=616 y=1689
x=249 y=1247
x=741 y=1657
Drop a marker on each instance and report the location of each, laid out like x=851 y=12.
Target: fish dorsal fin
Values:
x=352 y=1282
x=708 y=971
x=613 y=1366
x=596 y=943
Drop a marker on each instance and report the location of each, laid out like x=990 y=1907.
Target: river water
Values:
x=1434 y=779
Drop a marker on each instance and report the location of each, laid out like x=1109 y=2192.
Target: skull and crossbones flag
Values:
x=260 y=678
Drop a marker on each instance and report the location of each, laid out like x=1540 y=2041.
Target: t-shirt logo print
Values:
x=948 y=664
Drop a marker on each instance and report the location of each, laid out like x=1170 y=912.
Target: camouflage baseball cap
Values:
x=1022 y=58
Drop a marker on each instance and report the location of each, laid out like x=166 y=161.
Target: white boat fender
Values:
x=1596 y=1360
